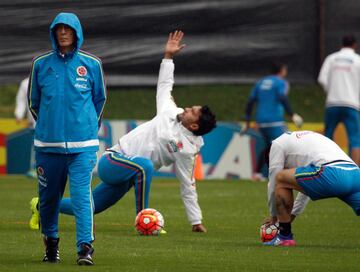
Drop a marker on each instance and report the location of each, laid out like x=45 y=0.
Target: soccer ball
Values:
x=268 y=232
x=149 y=222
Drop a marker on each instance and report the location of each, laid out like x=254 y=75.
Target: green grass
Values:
x=227 y=101
x=7 y=100
x=327 y=233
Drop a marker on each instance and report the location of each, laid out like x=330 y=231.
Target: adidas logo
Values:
x=49 y=71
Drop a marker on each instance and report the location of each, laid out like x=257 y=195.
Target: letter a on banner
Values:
x=237 y=159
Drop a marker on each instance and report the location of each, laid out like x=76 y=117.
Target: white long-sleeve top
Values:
x=297 y=149
x=22 y=108
x=165 y=140
x=340 y=78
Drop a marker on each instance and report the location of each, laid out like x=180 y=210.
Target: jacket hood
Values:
x=71 y=20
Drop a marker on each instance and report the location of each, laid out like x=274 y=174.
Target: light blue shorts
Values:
x=351 y=119
x=336 y=179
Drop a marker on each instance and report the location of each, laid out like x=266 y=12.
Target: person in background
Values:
x=22 y=112
x=340 y=78
x=270 y=95
x=21 y=108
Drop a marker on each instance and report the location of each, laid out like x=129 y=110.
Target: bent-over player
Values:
x=313 y=165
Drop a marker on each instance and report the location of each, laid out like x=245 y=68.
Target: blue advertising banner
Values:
x=226 y=154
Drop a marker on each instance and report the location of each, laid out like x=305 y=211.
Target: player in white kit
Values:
x=22 y=108
x=316 y=167
x=172 y=136
x=340 y=78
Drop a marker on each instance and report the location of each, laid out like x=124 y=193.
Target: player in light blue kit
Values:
x=270 y=96
x=66 y=98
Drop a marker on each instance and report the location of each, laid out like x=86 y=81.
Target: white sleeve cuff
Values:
x=167 y=60
x=195 y=222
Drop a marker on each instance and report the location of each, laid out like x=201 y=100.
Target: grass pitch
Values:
x=327 y=233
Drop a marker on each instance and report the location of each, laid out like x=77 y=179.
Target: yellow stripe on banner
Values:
x=317 y=127
x=137 y=166
x=9 y=125
x=2 y=156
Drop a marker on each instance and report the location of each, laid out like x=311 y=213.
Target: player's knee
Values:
x=280 y=178
x=147 y=165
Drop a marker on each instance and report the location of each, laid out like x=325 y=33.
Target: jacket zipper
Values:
x=65 y=105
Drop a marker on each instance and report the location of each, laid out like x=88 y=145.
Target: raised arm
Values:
x=164 y=100
x=173 y=44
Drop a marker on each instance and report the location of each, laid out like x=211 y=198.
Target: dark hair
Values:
x=207 y=121
x=348 y=40
x=276 y=67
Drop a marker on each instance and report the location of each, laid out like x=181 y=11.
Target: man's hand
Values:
x=199 y=228
x=297 y=119
x=173 y=44
x=245 y=128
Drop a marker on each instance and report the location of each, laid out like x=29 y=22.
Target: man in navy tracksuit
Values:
x=66 y=97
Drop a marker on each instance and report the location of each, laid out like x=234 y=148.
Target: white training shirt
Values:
x=165 y=141
x=297 y=149
x=22 y=108
x=340 y=78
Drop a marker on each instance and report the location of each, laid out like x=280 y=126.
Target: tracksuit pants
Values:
x=53 y=171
